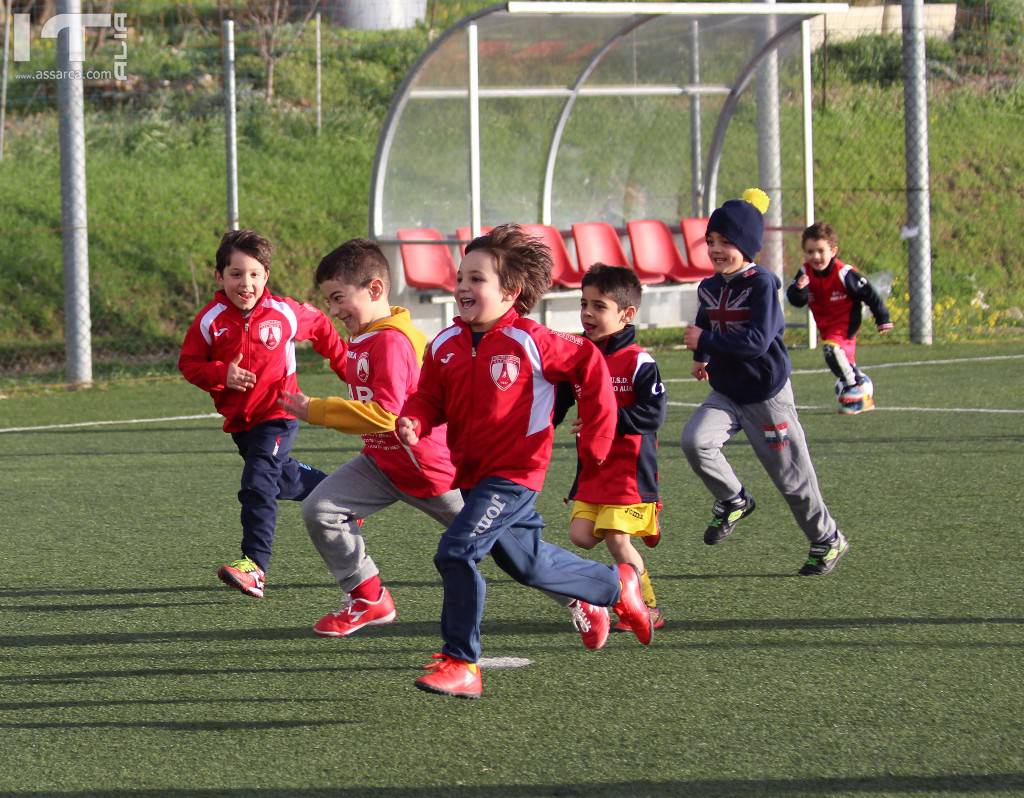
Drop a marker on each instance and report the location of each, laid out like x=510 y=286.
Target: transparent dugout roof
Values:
x=561 y=112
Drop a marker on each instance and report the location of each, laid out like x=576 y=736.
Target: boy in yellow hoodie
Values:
x=385 y=351
x=383 y=368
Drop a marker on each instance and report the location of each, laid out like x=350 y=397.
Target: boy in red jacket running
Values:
x=834 y=291
x=618 y=501
x=241 y=349
x=384 y=355
x=492 y=377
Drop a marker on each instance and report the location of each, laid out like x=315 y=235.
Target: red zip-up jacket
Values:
x=266 y=338
x=498 y=397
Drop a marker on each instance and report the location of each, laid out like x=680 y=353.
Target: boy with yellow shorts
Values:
x=617 y=500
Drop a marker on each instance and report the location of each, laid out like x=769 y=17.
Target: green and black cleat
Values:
x=824 y=556
x=726 y=515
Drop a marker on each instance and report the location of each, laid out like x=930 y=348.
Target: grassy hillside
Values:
x=156 y=181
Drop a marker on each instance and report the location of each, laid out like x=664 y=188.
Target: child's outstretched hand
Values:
x=295 y=403
x=239 y=379
x=802 y=281
x=405 y=429
x=577 y=425
x=699 y=370
x=691 y=338
x=884 y=328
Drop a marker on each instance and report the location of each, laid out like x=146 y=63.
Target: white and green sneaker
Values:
x=824 y=556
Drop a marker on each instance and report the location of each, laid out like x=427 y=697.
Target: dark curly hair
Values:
x=820 y=231
x=523 y=263
x=248 y=241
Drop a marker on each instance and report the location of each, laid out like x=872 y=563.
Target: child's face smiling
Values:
x=243 y=280
x=600 y=315
x=479 y=297
x=725 y=256
x=818 y=252
x=350 y=304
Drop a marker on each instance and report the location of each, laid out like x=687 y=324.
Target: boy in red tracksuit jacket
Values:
x=618 y=500
x=241 y=349
x=834 y=291
x=492 y=377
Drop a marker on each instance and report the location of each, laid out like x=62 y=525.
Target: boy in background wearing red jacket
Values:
x=618 y=500
x=492 y=377
x=241 y=349
x=835 y=290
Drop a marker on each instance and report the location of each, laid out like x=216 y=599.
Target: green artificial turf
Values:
x=127 y=669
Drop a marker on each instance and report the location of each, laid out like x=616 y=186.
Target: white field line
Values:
x=108 y=423
x=988 y=358
x=80 y=424
x=895 y=365
x=896 y=409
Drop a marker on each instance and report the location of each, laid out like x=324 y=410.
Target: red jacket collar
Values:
x=510 y=318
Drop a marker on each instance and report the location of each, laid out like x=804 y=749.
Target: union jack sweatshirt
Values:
x=742 y=340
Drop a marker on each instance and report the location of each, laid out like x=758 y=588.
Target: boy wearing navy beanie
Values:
x=737 y=346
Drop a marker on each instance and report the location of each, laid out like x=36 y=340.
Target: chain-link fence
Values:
x=156 y=166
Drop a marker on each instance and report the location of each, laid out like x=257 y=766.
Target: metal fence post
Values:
x=74 y=216
x=230 y=123
x=696 y=158
x=318 y=71
x=769 y=152
x=3 y=90
x=917 y=231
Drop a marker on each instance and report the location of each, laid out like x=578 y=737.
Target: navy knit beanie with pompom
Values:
x=742 y=221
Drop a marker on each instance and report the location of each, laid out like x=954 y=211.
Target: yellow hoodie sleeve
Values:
x=350 y=415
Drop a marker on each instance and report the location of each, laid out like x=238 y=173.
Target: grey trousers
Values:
x=774 y=431
x=358 y=489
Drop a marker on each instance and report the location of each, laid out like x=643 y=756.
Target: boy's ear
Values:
x=376 y=289
x=629 y=314
x=513 y=296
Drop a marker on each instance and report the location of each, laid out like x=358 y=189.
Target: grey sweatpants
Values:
x=358 y=489
x=774 y=431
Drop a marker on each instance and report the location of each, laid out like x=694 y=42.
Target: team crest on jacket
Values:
x=363 y=366
x=504 y=370
x=270 y=333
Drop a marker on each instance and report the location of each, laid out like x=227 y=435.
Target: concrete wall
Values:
x=939 y=22
x=377 y=14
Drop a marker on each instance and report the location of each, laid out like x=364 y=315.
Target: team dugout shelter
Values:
x=611 y=130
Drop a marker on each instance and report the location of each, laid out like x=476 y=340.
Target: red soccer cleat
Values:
x=631 y=607
x=454 y=677
x=591 y=622
x=245 y=575
x=356 y=614
x=657 y=620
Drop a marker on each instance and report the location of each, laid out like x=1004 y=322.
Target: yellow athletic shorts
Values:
x=638 y=520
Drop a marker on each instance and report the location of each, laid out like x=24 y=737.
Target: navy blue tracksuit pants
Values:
x=270 y=473
x=499 y=517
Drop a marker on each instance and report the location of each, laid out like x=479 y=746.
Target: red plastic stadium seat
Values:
x=655 y=255
x=466 y=234
x=426 y=265
x=597 y=242
x=563 y=272
x=698 y=264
